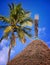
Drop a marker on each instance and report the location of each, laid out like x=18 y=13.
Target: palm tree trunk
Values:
x=10 y=47
x=9 y=53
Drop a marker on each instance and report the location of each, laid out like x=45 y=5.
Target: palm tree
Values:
x=19 y=21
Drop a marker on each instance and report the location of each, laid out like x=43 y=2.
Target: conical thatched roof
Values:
x=36 y=53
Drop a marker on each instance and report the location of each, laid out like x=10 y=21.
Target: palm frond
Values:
x=25 y=20
x=27 y=33
x=4 y=19
x=22 y=37
x=4 y=36
x=23 y=16
x=26 y=28
x=13 y=5
x=22 y=33
x=6 y=32
x=10 y=6
x=14 y=12
x=26 y=23
x=8 y=29
x=18 y=6
x=23 y=40
x=27 y=14
x=3 y=26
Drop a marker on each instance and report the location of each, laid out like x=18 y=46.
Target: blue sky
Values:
x=41 y=7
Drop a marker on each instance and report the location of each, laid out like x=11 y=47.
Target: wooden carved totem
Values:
x=36 y=25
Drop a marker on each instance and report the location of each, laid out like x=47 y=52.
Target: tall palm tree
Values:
x=19 y=21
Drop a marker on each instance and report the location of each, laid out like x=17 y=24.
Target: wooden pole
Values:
x=36 y=18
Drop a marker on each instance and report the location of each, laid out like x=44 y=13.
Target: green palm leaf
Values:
x=4 y=36
x=27 y=14
x=25 y=20
x=3 y=26
x=6 y=32
x=4 y=19
x=10 y=6
x=19 y=20
x=27 y=33
x=27 y=29
x=8 y=29
x=26 y=24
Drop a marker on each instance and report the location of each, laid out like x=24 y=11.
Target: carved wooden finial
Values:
x=36 y=18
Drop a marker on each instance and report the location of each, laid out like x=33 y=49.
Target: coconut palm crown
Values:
x=19 y=21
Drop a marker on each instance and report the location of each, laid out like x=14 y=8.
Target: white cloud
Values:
x=4 y=42
x=4 y=52
x=42 y=32
x=3 y=56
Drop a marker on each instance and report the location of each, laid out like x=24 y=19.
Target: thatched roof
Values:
x=36 y=53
